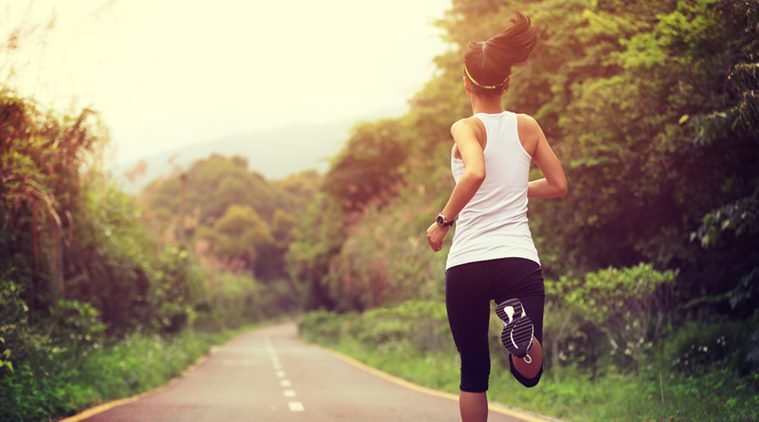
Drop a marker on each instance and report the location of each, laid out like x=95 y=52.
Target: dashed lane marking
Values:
x=295 y=406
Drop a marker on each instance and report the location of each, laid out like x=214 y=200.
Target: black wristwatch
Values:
x=442 y=222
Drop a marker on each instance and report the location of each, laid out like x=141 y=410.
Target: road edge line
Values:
x=526 y=417
x=104 y=407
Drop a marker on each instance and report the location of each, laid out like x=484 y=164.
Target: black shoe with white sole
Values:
x=518 y=330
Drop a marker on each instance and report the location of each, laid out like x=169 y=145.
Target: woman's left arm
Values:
x=465 y=136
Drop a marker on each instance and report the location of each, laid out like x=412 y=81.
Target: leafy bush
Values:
x=227 y=300
x=569 y=339
x=421 y=325
x=13 y=324
x=76 y=326
x=321 y=325
x=629 y=305
x=696 y=348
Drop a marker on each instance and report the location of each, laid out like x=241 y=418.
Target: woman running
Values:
x=493 y=256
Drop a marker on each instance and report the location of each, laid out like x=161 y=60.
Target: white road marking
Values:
x=295 y=406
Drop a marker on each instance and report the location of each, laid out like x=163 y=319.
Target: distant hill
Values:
x=275 y=153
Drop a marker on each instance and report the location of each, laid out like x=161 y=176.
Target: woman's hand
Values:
x=435 y=236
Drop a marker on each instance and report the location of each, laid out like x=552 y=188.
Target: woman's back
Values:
x=494 y=222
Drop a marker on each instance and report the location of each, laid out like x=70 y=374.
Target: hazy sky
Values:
x=167 y=73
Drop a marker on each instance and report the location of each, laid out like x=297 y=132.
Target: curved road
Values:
x=270 y=375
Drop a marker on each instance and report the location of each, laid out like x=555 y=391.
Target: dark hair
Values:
x=489 y=62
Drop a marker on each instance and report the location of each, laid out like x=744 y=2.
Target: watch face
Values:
x=440 y=220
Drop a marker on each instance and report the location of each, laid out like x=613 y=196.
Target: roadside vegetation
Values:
x=95 y=301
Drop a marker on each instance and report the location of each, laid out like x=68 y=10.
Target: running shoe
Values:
x=518 y=330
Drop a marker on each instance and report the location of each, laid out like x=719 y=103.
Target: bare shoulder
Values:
x=528 y=124
x=470 y=126
x=467 y=123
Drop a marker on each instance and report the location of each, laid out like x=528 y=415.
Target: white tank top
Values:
x=494 y=223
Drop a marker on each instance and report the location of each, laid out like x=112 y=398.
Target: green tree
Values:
x=240 y=234
x=367 y=170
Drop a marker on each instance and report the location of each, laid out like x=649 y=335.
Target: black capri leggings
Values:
x=469 y=288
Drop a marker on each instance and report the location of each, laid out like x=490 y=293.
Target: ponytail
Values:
x=488 y=63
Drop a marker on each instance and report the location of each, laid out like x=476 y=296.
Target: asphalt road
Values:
x=270 y=375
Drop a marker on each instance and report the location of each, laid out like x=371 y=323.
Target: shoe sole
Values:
x=518 y=331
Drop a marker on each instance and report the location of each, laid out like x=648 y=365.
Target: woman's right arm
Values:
x=554 y=184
